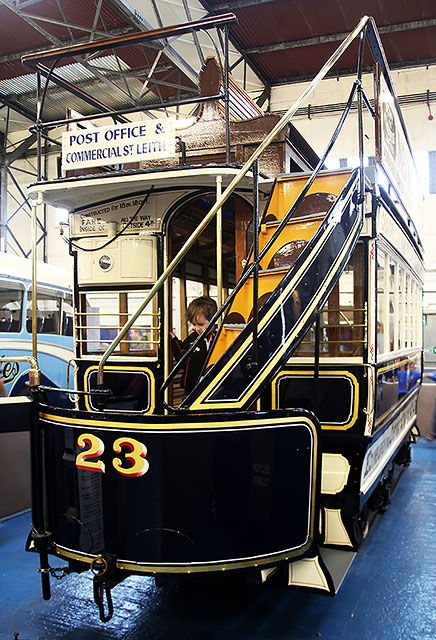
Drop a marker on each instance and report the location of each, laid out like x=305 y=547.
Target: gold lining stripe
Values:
x=199 y=402
x=122 y=369
x=138 y=567
x=333 y=373
x=172 y=426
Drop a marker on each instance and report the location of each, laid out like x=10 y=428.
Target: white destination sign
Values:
x=95 y=221
x=120 y=143
x=393 y=151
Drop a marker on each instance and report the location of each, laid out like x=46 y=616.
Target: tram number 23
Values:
x=134 y=457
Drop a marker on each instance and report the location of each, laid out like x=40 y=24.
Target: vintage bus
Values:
x=54 y=342
x=305 y=409
x=54 y=322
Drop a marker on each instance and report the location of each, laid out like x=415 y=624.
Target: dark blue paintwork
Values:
x=389 y=592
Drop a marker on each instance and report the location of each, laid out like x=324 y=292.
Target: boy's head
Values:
x=200 y=311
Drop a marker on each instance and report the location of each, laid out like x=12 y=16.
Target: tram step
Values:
x=325 y=572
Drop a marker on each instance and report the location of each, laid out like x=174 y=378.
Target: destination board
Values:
x=393 y=152
x=118 y=144
x=98 y=220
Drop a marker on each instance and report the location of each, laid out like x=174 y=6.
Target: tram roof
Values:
x=78 y=192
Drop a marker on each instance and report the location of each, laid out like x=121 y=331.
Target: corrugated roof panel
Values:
x=282 y=21
x=292 y=64
x=17 y=35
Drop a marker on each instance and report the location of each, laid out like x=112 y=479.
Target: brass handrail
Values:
x=34 y=371
x=232 y=186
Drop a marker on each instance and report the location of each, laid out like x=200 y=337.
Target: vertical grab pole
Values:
x=226 y=92
x=219 y=245
x=256 y=261
x=35 y=204
x=39 y=534
x=166 y=323
x=316 y=363
x=360 y=118
x=35 y=213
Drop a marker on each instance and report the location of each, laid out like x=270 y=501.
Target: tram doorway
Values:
x=212 y=265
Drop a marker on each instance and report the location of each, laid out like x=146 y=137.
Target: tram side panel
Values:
x=365 y=412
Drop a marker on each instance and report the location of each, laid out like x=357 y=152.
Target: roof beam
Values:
x=16 y=106
x=237 y=4
x=19 y=151
x=19 y=54
x=337 y=37
x=60 y=23
x=90 y=83
x=251 y=63
x=410 y=64
x=138 y=22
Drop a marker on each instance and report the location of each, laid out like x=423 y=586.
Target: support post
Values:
x=219 y=245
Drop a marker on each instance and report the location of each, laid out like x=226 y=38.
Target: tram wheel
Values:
x=403 y=457
x=360 y=526
x=382 y=494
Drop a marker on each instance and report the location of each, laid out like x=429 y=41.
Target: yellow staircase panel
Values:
x=287 y=189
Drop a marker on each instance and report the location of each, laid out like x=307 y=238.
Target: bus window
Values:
x=47 y=309
x=11 y=300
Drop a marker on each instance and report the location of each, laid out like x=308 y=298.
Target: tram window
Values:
x=342 y=320
x=398 y=305
x=407 y=326
x=213 y=292
x=67 y=316
x=104 y=313
x=47 y=310
x=393 y=284
x=193 y=290
x=143 y=336
x=11 y=301
x=381 y=302
x=130 y=390
x=176 y=324
x=401 y=309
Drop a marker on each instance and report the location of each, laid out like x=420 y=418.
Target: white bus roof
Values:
x=12 y=266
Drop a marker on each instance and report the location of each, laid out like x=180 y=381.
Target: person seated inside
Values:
x=199 y=313
x=137 y=340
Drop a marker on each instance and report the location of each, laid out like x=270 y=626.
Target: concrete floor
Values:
x=389 y=593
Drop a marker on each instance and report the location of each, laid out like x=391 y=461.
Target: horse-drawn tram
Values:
x=303 y=412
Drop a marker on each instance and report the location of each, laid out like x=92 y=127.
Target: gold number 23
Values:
x=89 y=459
